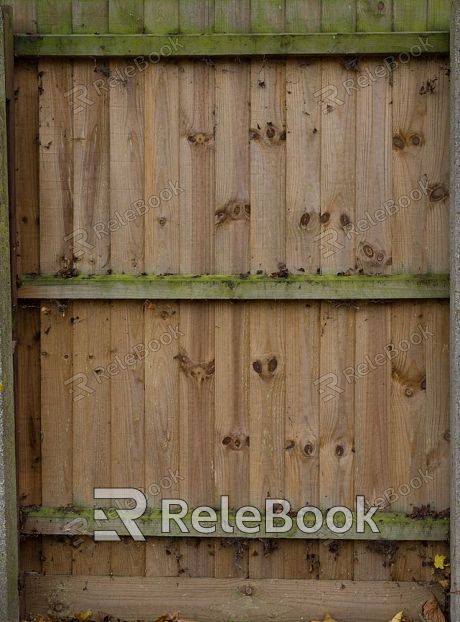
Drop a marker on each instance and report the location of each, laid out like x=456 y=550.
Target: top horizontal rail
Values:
x=154 y=46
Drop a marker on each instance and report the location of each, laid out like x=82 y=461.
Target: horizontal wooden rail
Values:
x=230 y=287
x=80 y=521
x=412 y=43
x=220 y=600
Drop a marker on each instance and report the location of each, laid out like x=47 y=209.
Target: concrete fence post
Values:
x=9 y=598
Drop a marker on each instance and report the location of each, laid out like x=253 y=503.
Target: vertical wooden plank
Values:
x=91 y=425
x=56 y=167
x=127 y=169
x=197 y=373
x=408 y=15
x=28 y=405
x=28 y=423
x=197 y=167
x=90 y=17
x=410 y=144
x=91 y=154
x=438 y=15
x=54 y=16
x=303 y=165
x=268 y=15
x=338 y=16
x=162 y=129
x=436 y=164
x=196 y=16
x=56 y=428
x=232 y=424
x=374 y=15
x=233 y=209
x=126 y=16
x=25 y=19
x=338 y=171
x=408 y=414
x=372 y=433
x=267 y=390
x=303 y=16
x=232 y=15
x=161 y=16
x=437 y=434
x=26 y=170
x=371 y=231
x=232 y=219
x=162 y=425
x=55 y=145
x=337 y=412
x=302 y=442
x=268 y=162
x=127 y=421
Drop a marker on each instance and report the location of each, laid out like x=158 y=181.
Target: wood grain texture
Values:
x=162 y=178
x=126 y=16
x=409 y=15
x=56 y=423
x=287 y=599
x=337 y=415
x=303 y=166
x=54 y=16
x=268 y=166
x=267 y=391
x=91 y=425
x=56 y=167
x=302 y=16
x=374 y=15
x=338 y=16
x=91 y=157
x=27 y=169
x=371 y=231
x=338 y=169
x=161 y=16
x=127 y=427
x=90 y=17
x=126 y=168
x=233 y=208
x=162 y=425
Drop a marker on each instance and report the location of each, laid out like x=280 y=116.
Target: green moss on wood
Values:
x=251 y=287
x=392 y=526
x=230 y=44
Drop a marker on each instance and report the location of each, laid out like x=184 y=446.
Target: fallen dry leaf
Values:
x=431 y=611
x=440 y=562
x=398 y=617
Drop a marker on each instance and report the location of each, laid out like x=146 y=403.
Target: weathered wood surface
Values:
x=169 y=16
x=215 y=600
x=232 y=44
x=388 y=216
x=80 y=521
x=230 y=287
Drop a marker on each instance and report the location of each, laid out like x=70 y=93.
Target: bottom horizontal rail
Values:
x=221 y=600
x=81 y=521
